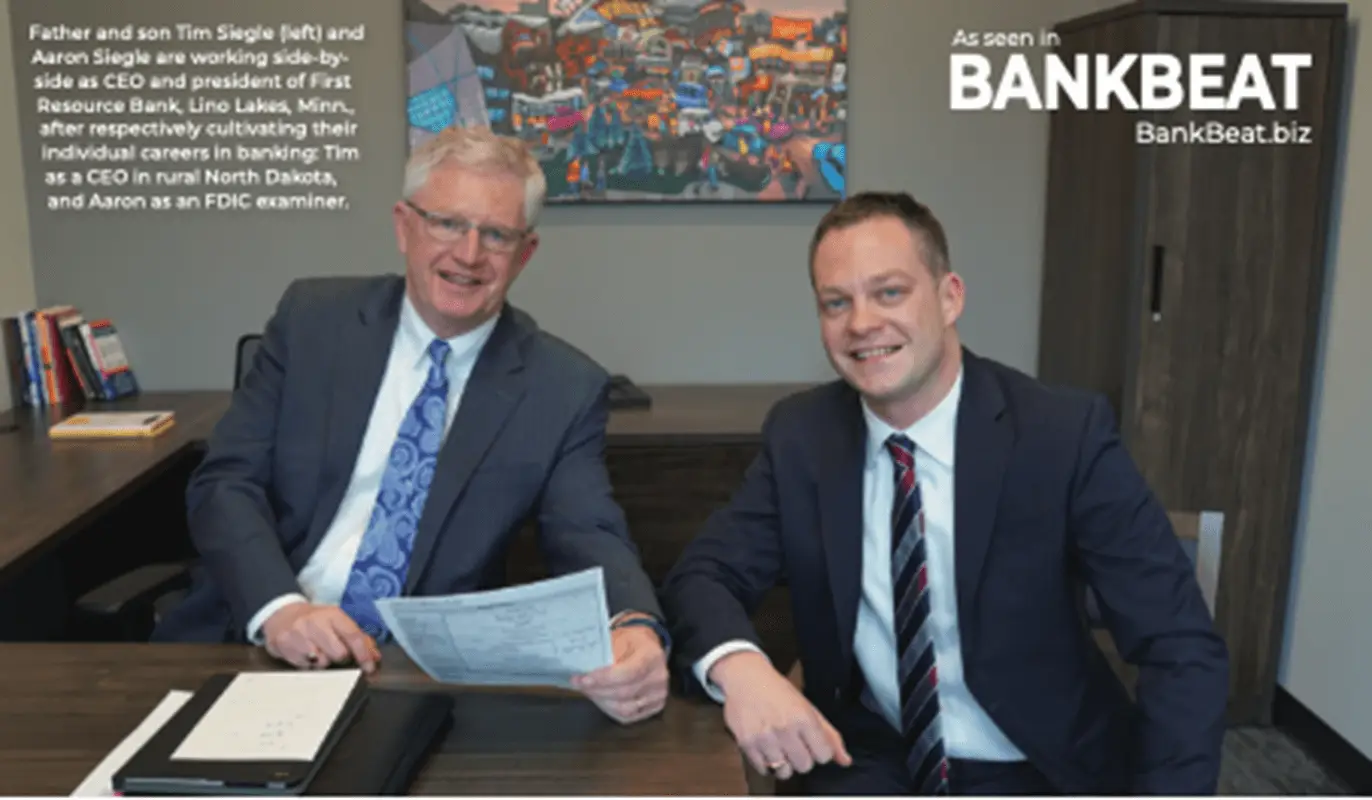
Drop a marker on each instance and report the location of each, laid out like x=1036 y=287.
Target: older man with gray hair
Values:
x=393 y=434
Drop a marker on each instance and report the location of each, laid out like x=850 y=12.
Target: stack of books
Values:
x=55 y=356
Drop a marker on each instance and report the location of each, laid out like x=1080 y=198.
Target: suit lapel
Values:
x=493 y=390
x=840 y=515
x=364 y=347
x=984 y=441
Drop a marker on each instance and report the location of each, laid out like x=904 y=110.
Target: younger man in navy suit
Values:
x=937 y=516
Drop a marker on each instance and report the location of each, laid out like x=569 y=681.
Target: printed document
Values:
x=537 y=634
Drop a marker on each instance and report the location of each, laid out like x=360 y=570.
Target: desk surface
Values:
x=49 y=489
x=64 y=707
x=699 y=414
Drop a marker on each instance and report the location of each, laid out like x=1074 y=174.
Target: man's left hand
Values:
x=634 y=687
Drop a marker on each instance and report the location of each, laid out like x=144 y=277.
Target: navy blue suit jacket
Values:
x=1047 y=501
x=528 y=439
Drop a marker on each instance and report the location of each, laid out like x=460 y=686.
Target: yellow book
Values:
x=113 y=425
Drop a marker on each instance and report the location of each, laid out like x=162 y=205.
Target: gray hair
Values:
x=481 y=149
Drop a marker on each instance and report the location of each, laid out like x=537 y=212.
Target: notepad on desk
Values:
x=113 y=425
x=270 y=716
x=248 y=733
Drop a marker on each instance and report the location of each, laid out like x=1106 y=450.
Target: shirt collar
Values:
x=935 y=433
x=415 y=337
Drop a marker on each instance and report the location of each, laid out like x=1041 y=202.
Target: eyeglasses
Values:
x=494 y=238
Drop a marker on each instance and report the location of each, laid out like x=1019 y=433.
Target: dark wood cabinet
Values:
x=1184 y=280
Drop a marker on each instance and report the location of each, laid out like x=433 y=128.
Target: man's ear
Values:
x=402 y=232
x=952 y=296
x=526 y=252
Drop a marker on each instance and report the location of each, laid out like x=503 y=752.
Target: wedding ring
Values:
x=776 y=766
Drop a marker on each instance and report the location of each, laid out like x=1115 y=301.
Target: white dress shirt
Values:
x=325 y=574
x=968 y=732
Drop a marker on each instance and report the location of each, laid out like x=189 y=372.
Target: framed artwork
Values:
x=644 y=100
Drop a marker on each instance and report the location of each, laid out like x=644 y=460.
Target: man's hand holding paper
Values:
x=554 y=632
x=634 y=687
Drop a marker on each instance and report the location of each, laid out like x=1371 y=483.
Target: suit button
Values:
x=838 y=694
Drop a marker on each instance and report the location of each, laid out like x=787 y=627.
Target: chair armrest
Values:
x=135 y=587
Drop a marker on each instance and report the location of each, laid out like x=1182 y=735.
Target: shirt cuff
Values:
x=650 y=621
x=702 y=667
x=259 y=619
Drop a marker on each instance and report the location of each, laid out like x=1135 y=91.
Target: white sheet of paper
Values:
x=270 y=716
x=100 y=781
x=536 y=634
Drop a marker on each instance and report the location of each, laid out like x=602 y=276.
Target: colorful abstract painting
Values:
x=644 y=100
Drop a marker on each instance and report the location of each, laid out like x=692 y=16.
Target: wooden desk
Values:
x=64 y=707
x=50 y=489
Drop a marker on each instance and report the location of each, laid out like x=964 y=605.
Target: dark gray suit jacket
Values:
x=528 y=437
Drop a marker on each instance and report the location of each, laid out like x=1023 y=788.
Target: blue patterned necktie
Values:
x=383 y=557
x=918 y=674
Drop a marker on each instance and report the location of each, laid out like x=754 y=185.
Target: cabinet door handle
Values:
x=1155 y=302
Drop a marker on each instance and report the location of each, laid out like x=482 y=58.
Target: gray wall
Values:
x=16 y=274
x=1328 y=642
x=682 y=294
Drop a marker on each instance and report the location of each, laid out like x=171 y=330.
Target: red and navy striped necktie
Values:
x=918 y=673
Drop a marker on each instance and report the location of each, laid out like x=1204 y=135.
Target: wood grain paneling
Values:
x=1223 y=251
x=1091 y=194
x=1217 y=418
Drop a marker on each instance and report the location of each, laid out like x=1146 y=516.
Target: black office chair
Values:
x=245 y=352
x=129 y=607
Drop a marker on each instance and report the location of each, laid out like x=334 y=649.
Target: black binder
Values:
x=375 y=747
x=387 y=744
